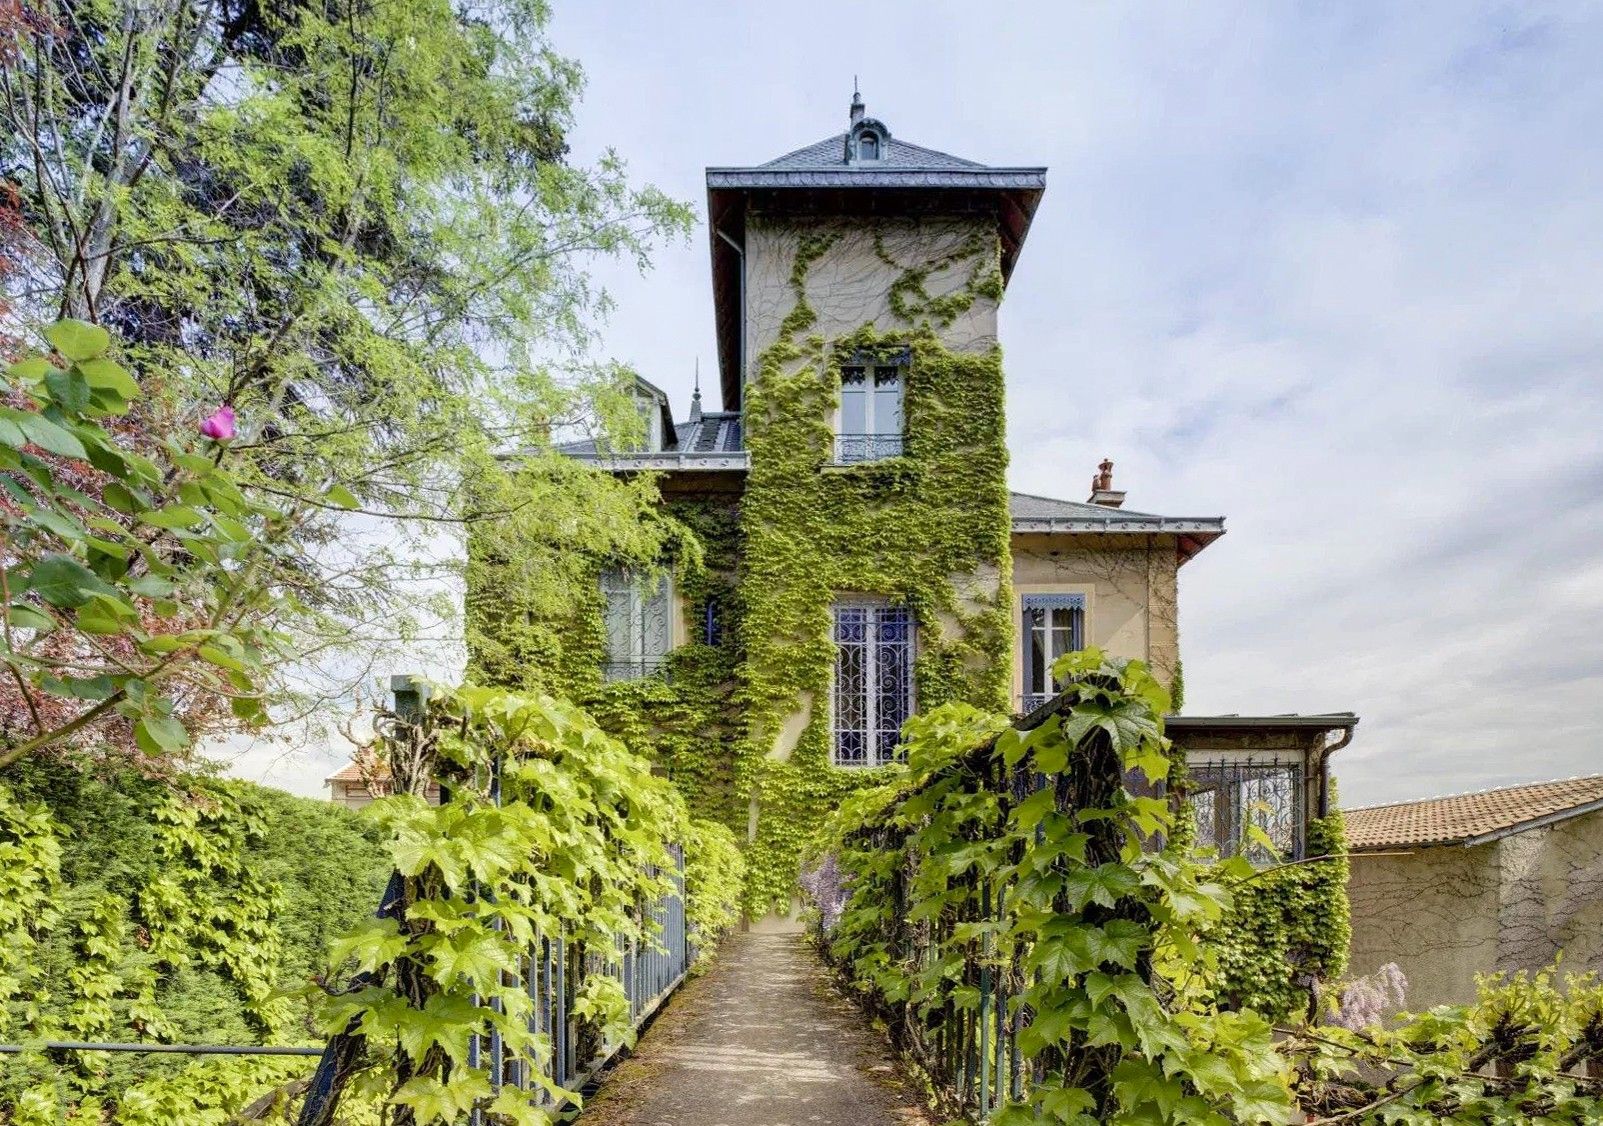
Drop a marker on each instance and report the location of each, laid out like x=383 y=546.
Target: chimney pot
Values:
x=1102 y=490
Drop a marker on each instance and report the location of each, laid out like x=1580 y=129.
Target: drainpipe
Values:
x=1324 y=769
x=740 y=252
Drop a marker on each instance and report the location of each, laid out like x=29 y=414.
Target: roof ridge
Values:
x=1475 y=793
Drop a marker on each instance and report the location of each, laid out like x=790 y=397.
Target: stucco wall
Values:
x=849 y=285
x=1130 y=588
x=1552 y=896
x=1433 y=912
x=1445 y=914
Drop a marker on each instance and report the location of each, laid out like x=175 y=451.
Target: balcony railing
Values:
x=634 y=668
x=851 y=449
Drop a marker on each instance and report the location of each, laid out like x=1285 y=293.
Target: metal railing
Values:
x=1227 y=796
x=551 y=972
x=851 y=449
x=634 y=668
x=971 y=1050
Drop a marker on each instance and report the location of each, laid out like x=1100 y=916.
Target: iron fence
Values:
x=550 y=970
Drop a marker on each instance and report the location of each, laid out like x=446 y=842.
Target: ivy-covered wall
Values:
x=929 y=529
x=1284 y=940
x=189 y=909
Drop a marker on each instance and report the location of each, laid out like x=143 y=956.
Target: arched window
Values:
x=868 y=146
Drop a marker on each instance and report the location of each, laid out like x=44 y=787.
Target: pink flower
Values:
x=219 y=425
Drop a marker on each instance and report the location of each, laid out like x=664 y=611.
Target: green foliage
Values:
x=187 y=911
x=1287 y=930
x=1060 y=897
x=356 y=221
x=574 y=846
x=911 y=528
x=134 y=572
x=1528 y=1050
x=715 y=874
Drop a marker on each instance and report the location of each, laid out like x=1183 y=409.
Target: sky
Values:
x=1334 y=272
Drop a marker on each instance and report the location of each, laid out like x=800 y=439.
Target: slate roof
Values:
x=716 y=432
x=1472 y=819
x=831 y=153
x=819 y=179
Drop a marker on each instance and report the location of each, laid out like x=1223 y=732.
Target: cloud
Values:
x=1336 y=273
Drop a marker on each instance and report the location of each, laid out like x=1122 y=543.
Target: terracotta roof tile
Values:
x=1464 y=817
x=352 y=772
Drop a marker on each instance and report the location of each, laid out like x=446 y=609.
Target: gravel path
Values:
x=762 y=1040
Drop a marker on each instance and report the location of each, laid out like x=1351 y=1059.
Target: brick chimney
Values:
x=1102 y=490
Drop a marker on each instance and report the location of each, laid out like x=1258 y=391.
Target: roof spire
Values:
x=695 y=398
x=857 y=102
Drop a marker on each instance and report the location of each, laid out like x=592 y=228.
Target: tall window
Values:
x=1231 y=797
x=873 y=693
x=1054 y=624
x=637 y=624
x=870 y=411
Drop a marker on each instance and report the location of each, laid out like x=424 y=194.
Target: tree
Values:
x=356 y=222
x=137 y=586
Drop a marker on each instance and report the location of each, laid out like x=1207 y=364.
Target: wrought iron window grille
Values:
x=1230 y=796
x=872 y=695
x=638 y=624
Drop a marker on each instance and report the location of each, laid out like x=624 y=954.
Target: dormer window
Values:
x=866 y=141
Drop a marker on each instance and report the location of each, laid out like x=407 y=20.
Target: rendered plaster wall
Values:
x=850 y=284
x=1130 y=584
x=1434 y=912
x=1448 y=913
x=1552 y=896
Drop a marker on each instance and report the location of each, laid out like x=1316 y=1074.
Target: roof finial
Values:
x=695 y=397
x=857 y=102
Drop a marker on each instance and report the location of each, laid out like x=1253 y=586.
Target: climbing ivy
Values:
x=1286 y=933
x=1060 y=896
x=1044 y=871
x=550 y=828
x=928 y=529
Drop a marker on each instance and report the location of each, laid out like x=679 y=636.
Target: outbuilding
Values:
x=1451 y=887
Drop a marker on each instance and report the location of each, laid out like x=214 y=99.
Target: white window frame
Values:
x=1074 y=603
x=874 y=751
x=877 y=439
